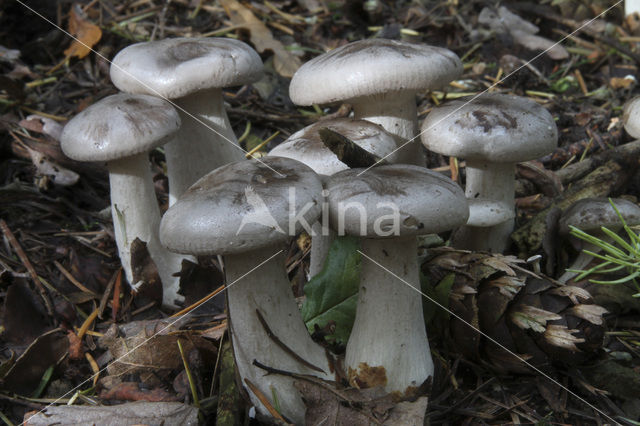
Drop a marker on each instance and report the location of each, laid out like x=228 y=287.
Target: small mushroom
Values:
x=590 y=215
x=388 y=206
x=492 y=132
x=307 y=147
x=191 y=72
x=379 y=78
x=631 y=117
x=247 y=211
x=121 y=130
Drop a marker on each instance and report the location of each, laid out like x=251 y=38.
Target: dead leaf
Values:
x=86 y=34
x=522 y=32
x=142 y=413
x=155 y=350
x=25 y=374
x=285 y=63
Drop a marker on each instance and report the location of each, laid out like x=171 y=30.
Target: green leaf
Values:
x=333 y=293
x=440 y=293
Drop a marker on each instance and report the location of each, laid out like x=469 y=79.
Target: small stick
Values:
x=284 y=347
x=73 y=279
x=263 y=399
x=27 y=264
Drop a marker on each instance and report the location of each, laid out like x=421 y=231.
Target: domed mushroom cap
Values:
x=242 y=206
x=631 y=117
x=307 y=147
x=176 y=67
x=370 y=67
x=394 y=200
x=119 y=126
x=494 y=127
x=589 y=214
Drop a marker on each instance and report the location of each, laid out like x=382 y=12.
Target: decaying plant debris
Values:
x=67 y=312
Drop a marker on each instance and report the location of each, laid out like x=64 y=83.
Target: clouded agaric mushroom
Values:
x=307 y=147
x=492 y=133
x=590 y=215
x=191 y=72
x=379 y=78
x=247 y=212
x=121 y=130
x=387 y=206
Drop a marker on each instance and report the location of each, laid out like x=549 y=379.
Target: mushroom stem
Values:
x=196 y=149
x=494 y=182
x=135 y=213
x=583 y=259
x=389 y=331
x=268 y=290
x=320 y=243
x=396 y=113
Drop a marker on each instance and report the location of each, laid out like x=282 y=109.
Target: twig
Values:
x=283 y=346
x=263 y=399
x=27 y=264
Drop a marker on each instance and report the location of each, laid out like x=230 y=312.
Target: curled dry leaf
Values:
x=86 y=34
x=285 y=63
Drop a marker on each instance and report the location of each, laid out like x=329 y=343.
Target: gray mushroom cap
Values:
x=370 y=67
x=631 y=117
x=176 y=67
x=494 y=127
x=119 y=126
x=590 y=214
x=399 y=200
x=243 y=206
x=307 y=147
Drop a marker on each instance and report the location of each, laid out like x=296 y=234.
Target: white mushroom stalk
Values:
x=307 y=147
x=388 y=206
x=493 y=132
x=380 y=79
x=121 y=129
x=135 y=213
x=246 y=212
x=191 y=72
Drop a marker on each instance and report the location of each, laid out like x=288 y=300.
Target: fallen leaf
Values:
x=332 y=294
x=147 y=413
x=522 y=32
x=285 y=63
x=86 y=34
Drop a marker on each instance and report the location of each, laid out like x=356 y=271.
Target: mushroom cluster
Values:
x=248 y=210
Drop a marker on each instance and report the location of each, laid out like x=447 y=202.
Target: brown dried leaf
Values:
x=147 y=413
x=284 y=62
x=86 y=34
